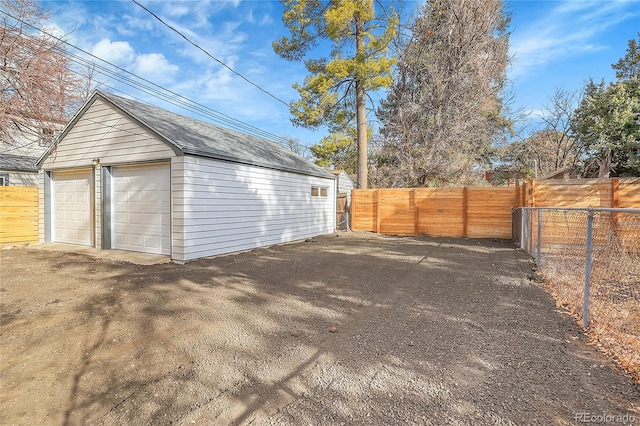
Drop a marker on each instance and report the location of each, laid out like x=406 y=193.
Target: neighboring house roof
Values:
x=18 y=163
x=189 y=136
x=339 y=172
x=563 y=173
x=344 y=174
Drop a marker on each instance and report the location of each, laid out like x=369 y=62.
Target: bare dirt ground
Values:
x=340 y=330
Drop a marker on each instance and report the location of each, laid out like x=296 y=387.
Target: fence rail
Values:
x=18 y=215
x=591 y=259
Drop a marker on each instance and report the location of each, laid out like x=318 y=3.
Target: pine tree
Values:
x=607 y=122
x=335 y=91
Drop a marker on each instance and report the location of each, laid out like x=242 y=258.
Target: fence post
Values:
x=587 y=272
x=522 y=211
x=532 y=198
x=378 y=202
x=351 y=210
x=539 y=237
x=415 y=212
x=464 y=211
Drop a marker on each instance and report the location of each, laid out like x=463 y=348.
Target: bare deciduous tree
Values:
x=444 y=110
x=556 y=148
x=548 y=147
x=38 y=89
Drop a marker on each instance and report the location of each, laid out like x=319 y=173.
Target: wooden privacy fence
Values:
x=438 y=212
x=607 y=193
x=479 y=212
x=18 y=215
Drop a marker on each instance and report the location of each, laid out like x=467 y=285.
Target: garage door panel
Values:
x=120 y=197
x=72 y=207
x=150 y=241
x=152 y=219
x=142 y=208
x=136 y=218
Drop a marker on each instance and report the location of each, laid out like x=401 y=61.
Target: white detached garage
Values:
x=127 y=175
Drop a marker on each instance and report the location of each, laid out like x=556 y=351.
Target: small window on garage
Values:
x=4 y=179
x=319 y=191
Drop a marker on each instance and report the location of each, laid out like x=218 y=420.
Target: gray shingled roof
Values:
x=18 y=163
x=195 y=137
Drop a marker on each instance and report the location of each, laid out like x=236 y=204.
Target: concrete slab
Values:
x=122 y=255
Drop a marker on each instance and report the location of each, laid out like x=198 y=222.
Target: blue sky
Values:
x=553 y=43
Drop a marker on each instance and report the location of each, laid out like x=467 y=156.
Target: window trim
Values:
x=319 y=191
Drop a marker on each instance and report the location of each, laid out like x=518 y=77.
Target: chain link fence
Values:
x=591 y=260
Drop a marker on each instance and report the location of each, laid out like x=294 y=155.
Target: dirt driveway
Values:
x=341 y=330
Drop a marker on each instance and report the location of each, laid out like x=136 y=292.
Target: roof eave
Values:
x=230 y=159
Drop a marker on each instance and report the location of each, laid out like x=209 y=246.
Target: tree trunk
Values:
x=361 y=116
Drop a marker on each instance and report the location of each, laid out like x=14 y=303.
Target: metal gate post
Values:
x=539 y=237
x=587 y=272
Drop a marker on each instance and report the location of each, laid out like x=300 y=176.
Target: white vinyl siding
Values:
x=20 y=178
x=104 y=132
x=223 y=207
x=345 y=184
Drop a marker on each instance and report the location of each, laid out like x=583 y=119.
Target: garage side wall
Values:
x=222 y=207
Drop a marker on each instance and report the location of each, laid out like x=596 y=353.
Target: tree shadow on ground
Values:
x=340 y=329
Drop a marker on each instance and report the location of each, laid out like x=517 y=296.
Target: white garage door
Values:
x=72 y=207
x=141 y=208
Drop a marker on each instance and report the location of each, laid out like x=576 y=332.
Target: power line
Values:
x=210 y=55
x=156 y=90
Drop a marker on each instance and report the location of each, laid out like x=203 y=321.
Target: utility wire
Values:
x=157 y=90
x=210 y=55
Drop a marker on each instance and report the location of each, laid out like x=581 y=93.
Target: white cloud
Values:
x=225 y=41
x=197 y=13
x=130 y=26
x=266 y=20
x=256 y=68
x=567 y=30
x=117 y=52
x=155 y=67
x=54 y=30
x=220 y=85
x=176 y=9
